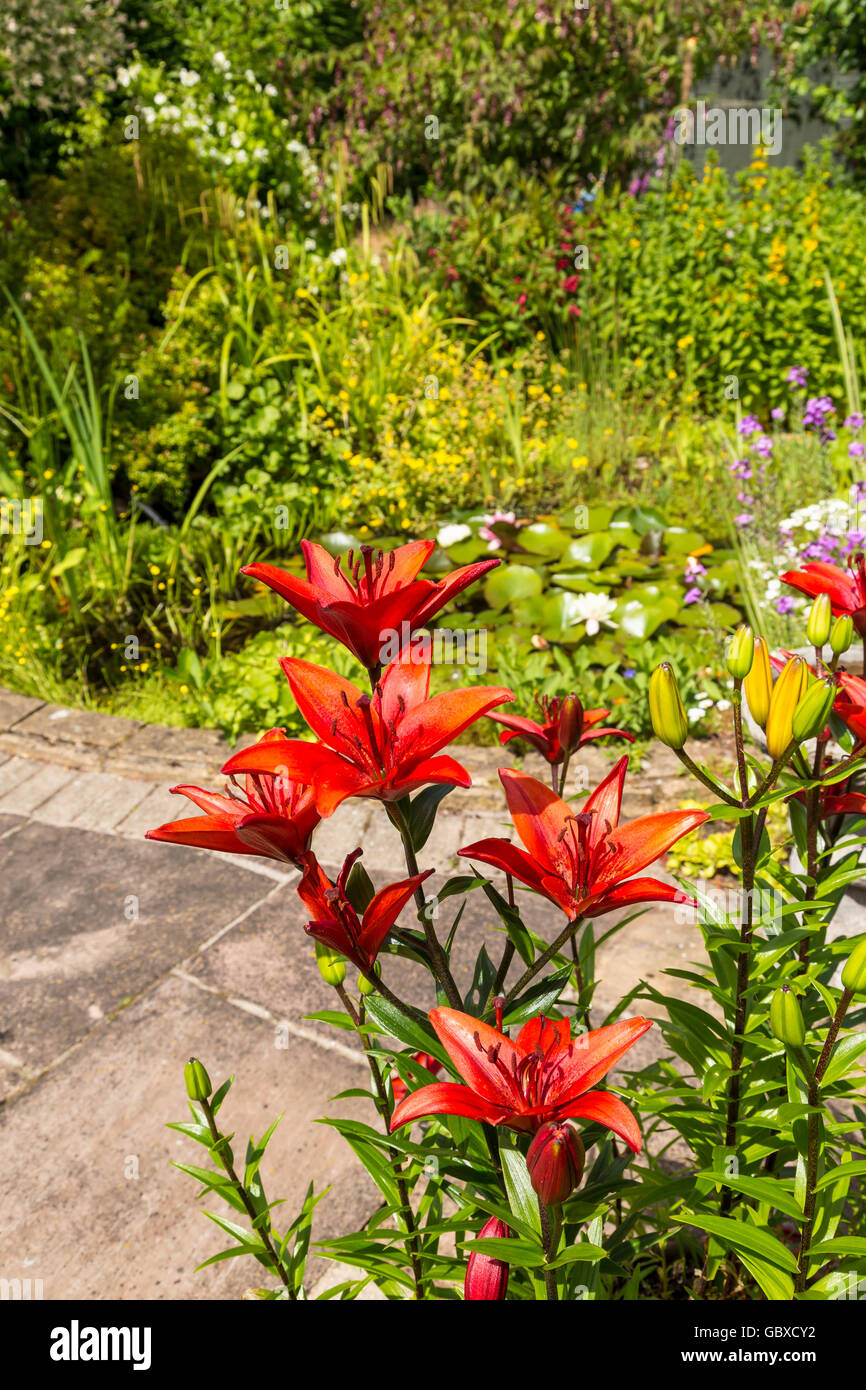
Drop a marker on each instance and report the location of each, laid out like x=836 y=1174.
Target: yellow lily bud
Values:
x=820 y=620
x=741 y=652
x=758 y=684
x=787 y=693
x=366 y=986
x=667 y=715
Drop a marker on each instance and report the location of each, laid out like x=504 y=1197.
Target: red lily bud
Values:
x=555 y=1161
x=570 y=724
x=487 y=1278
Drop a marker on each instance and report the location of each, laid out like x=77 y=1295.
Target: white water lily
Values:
x=593 y=609
x=450 y=535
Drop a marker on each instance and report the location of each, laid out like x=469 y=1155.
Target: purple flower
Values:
x=784 y=604
x=692 y=596
x=629 y=672
x=854 y=422
x=743 y=519
x=778 y=413
x=748 y=425
x=763 y=445
x=855 y=449
x=741 y=469
x=797 y=376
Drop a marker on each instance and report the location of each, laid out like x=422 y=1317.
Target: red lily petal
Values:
x=502 y=854
x=333 y=934
x=447 y=1098
x=544 y=1033
x=408 y=560
x=634 y=890
x=605 y=802
x=463 y=1037
x=295 y=758
x=606 y=1110
x=642 y=841
x=534 y=734
x=539 y=816
x=822 y=578
x=849 y=803
x=213 y=803
x=437 y=722
x=322 y=697
x=275 y=836
x=590 y=1056
x=366 y=627
x=606 y=733
x=324 y=574
x=203 y=832
x=405 y=679
x=383 y=911
x=452 y=584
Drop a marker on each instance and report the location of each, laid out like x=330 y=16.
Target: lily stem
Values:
x=532 y=970
x=222 y=1151
x=550 y=1287
x=384 y=1108
x=438 y=958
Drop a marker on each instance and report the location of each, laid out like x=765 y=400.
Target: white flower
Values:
x=188 y=77
x=160 y=99
x=338 y=257
x=593 y=609
x=450 y=535
x=221 y=62
x=309 y=244
x=270 y=90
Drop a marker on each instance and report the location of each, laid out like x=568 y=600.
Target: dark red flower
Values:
x=378 y=745
x=581 y=860
x=272 y=815
x=555 y=1160
x=335 y=922
x=376 y=594
x=545 y=737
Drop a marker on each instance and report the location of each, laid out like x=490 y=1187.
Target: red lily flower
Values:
x=274 y=815
x=545 y=737
x=579 y=860
x=847 y=592
x=335 y=922
x=381 y=745
x=379 y=593
x=851 y=705
x=426 y=1063
x=543 y=1075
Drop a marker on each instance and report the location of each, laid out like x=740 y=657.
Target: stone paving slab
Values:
x=96 y=1211
x=73 y=949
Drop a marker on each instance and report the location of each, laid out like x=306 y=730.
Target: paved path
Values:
x=120 y=957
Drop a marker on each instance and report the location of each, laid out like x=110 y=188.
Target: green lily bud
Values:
x=842 y=634
x=854 y=969
x=198 y=1085
x=332 y=966
x=741 y=652
x=820 y=621
x=786 y=1018
x=787 y=693
x=758 y=685
x=813 y=711
x=366 y=986
x=667 y=715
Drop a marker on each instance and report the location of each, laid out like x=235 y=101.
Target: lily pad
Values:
x=580 y=583
x=542 y=539
x=640 y=619
x=510 y=583
x=679 y=541
x=590 y=550
x=338 y=542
